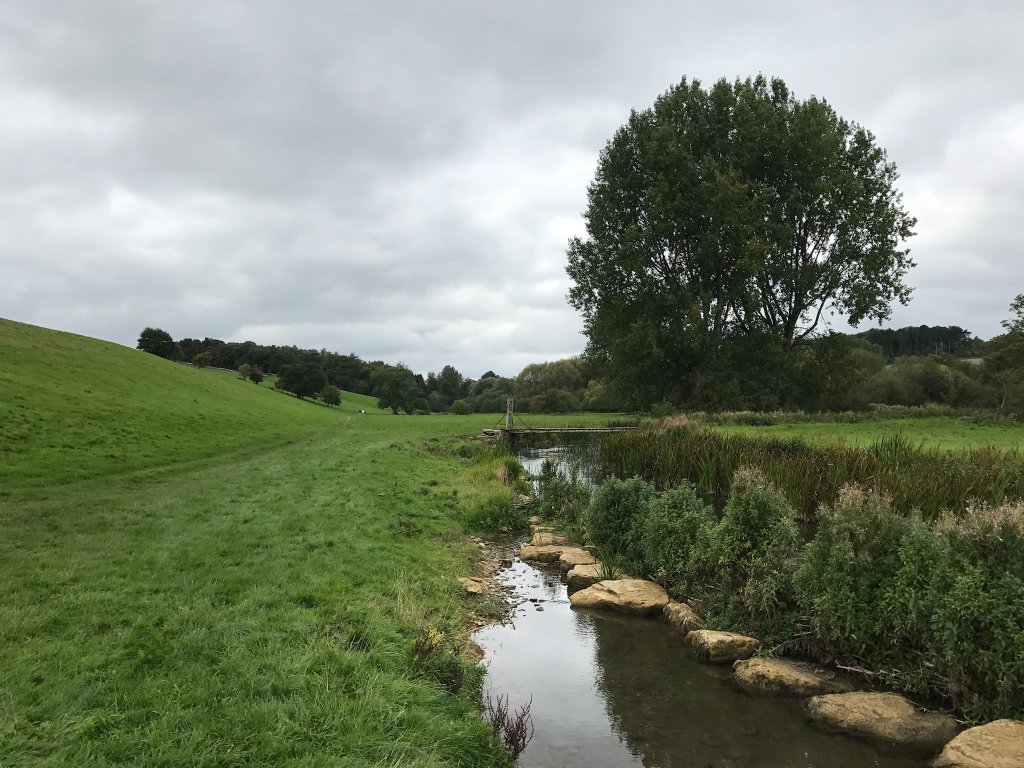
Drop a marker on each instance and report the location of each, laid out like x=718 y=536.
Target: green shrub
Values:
x=560 y=496
x=496 y=514
x=672 y=534
x=841 y=582
x=609 y=518
x=751 y=557
x=979 y=621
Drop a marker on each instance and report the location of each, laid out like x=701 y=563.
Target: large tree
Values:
x=158 y=342
x=728 y=211
x=302 y=379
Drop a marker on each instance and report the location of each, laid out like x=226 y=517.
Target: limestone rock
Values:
x=998 y=744
x=573 y=556
x=546 y=539
x=682 y=617
x=534 y=520
x=787 y=677
x=472 y=586
x=583 y=576
x=884 y=717
x=548 y=553
x=635 y=596
x=722 y=647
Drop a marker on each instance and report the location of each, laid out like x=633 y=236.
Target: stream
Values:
x=610 y=690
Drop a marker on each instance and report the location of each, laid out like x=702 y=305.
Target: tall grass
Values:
x=928 y=480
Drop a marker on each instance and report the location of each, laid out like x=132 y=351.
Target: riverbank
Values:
x=261 y=609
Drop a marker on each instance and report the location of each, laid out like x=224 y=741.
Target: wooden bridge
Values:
x=510 y=432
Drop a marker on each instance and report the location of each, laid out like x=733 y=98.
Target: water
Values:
x=610 y=690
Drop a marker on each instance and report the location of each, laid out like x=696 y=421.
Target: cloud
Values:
x=399 y=179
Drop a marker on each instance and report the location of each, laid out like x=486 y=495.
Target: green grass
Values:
x=74 y=407
x=199 y=571
x=946 y=433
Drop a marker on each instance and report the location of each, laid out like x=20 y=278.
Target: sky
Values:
x=399 y=180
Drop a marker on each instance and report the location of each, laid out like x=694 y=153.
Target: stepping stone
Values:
x=682 y=617
x=787 y=677
x=545 y=538
x=884 y=717
x=999 y=744
x=722 y=647
x=547 y=553
x=573 y=556
x=633 y=596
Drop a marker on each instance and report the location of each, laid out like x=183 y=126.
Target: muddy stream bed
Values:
x=610 y=690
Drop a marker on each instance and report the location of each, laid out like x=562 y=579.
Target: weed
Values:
x=514 y=729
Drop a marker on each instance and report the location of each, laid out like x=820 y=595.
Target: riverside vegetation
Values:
x=931 y=605
x=196 y=570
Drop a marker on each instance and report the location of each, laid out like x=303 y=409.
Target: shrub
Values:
x=671 y=536
x=978 y=627
x=846 y=567
x=496 y=514
x=609 y=518
x=461 y=408
x=563 y=496
x=751 y=557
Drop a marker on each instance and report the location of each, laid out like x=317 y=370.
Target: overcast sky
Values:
x=399 y=179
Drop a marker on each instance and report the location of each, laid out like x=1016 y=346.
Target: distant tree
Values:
x=160 y=343
x=461 y=407
x=331 y=395
x=1015 y=323
x=396 y=388
x=255 y=376
x=202 y=360
x=302 y=379
x=244 y=371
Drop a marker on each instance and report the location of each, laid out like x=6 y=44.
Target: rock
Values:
x=787 y=677
x=573 y=556
x=722 y=647
x=635 y=596
x=883 y=717
x=545 y=539
x=999 y=744
x=583 y=576
x=682 y=617
x=534 y=520
x=472 y=586
x=549 y=553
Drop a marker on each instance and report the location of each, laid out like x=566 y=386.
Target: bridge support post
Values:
x=508 y=413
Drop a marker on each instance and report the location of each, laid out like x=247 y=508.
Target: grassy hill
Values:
x=72 y=407
x=254 y=596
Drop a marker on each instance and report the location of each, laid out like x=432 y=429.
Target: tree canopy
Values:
x=735 y=210
x=302 y=379
x=158 y=342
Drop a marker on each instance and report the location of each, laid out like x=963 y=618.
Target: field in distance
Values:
x=943 y=432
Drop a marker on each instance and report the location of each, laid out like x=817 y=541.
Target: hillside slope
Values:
x=73 y=407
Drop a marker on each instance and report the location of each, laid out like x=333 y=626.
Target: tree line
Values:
x=826 y=373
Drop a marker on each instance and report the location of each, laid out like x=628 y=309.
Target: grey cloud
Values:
x=399 y=179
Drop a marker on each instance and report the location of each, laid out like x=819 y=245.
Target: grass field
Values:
x=199 y=571
x=936 y=432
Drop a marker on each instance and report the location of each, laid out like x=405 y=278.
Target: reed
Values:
x=928 y=480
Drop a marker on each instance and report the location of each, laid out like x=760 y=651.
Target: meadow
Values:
x=196 y=570
x=940 y=432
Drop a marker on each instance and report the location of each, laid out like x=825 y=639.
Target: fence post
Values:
x=508 y=414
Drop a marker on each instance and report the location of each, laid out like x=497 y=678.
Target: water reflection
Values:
x=617 y=691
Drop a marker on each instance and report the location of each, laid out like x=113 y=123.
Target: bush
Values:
x=609 y=518
x=672 y=535
x=461 y=408
x=842 y=580
x=751 y=557
x=495 y=515
x=978 y=626
x=562 y=496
